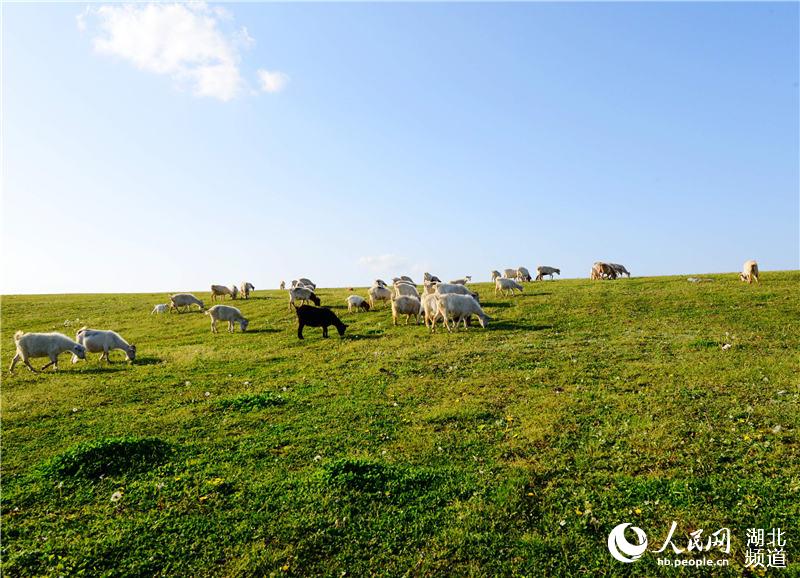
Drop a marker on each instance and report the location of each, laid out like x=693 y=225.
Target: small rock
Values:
x=726 y=347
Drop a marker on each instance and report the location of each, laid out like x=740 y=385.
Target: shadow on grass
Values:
x=496 y=304
x=104 y=369
x=148 y=361
x=264 y=330
x=499 y=325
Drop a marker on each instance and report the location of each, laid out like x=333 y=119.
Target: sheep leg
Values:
x=53 y=362
x=105 y=354
x=300 y=331
x=213 y=325
x=28 y=364
x=325 y=331
x=14 y=361
x=231 y=327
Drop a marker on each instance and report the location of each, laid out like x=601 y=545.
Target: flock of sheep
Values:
x=449 y=303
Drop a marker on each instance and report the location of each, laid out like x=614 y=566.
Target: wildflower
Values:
x=116 y=496
x=317 y=458
x=638 y=510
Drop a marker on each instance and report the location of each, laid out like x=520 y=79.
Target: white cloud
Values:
x=189 y=42
x=272 y=81
x=384 y=263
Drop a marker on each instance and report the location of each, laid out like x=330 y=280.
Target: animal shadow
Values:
x=501 y=325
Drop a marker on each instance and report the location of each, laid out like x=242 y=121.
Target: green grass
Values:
x=507 y=451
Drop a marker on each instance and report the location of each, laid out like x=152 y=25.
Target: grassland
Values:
x=507 y=451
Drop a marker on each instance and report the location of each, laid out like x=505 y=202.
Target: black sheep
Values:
x=317 y=317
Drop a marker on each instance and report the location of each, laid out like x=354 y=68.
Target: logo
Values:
x=623 y=550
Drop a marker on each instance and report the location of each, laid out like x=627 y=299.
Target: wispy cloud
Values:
x=384 y=263
x=196 y=45
x=272 y=81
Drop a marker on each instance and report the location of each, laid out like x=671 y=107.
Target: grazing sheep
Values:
x=495 y=275
x=406 y=305
x=462 y=280
x=459 y=307
x=619 y=269
x=307 y=283
x=356 y=302
x=246 y=288
x=379 y=283
x=432 y=278
x=523 y=275
x=221 y=291
x=317 y=317
x=510 y=273
x=749 y=272
x=229 y=314
x=445 y=288
x=543 y=270
x=51 y=345
x=103 y=342
x=184 y=300
x=302 y=294
x=160 y=308
x=405 y=289
x=378 y=293
x=501 y=284
x=282 y=286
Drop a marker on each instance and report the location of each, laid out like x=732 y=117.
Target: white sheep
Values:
x=459 y=307
x=502 y=285
x=450 y=288
x=619 y=269
x=160 y=308
x=356 y=302
x=184 y=300
x=431 y=278
x=103 y=342
x=543 y=270
x=749 y=272
x=523 y=274
x=495 y=275
x=307 y=283
x=379 y=283
x=430 y=308
x=378 y=293
x=50 y=345
x=510 y=273
x=282 y=286
x=406 y=305
x=221 y=291
x=429 y=287
x=229 y=314
x=302 y=294
x=246 y=288
x=408 y=289
x=462 y=280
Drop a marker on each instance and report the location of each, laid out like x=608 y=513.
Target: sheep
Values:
x=462 y=280
x=317 y=317
x=229 y=314
x=221 y=291
x=184 y=300
x=432 y=278
x=378 y=293
x=103 y=342
x=619 y=269
x=51 y=345
x=445 y=288
x=459 y=307
x=543 y=270
x=510 y=273
x=356 y=302
x=430 y=308
x=406 y=305
x=303 y=294
x=495 y=275
x=282 y=286
x=429 y=287
x=503 y=285
x=379 y=283
x=160 y=308
x=307 y=283
x=405 y=289
x=749 y=272
x=523 y=274
x=246 y=288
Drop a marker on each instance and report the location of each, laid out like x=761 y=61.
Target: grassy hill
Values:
x=507 y=451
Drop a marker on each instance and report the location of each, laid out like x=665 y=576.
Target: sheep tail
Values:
x=17 y=335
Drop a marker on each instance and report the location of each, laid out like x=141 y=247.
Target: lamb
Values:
x=221 y=291
x=543 y=270
x=495 y=275
x=246 y=288
x=103 y=342
x=302 y=294
x=51 y=345
x=452 y=306
x=523 y=274
x=405 y=289
x=160 y=308
x=282 y=286
x=619 y=269
x=501 y=284
x=317 y=317
x=462 y=280
x=510 y=273
x=406 y=305
x=356 y=302
x=749 y=272
x=445 y=288
x=378 y=293
x=184 y=300
x=229 y=314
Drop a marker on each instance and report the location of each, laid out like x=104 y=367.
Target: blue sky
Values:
x=347 y=141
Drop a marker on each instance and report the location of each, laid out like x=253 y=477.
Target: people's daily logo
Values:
x=621 y=548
